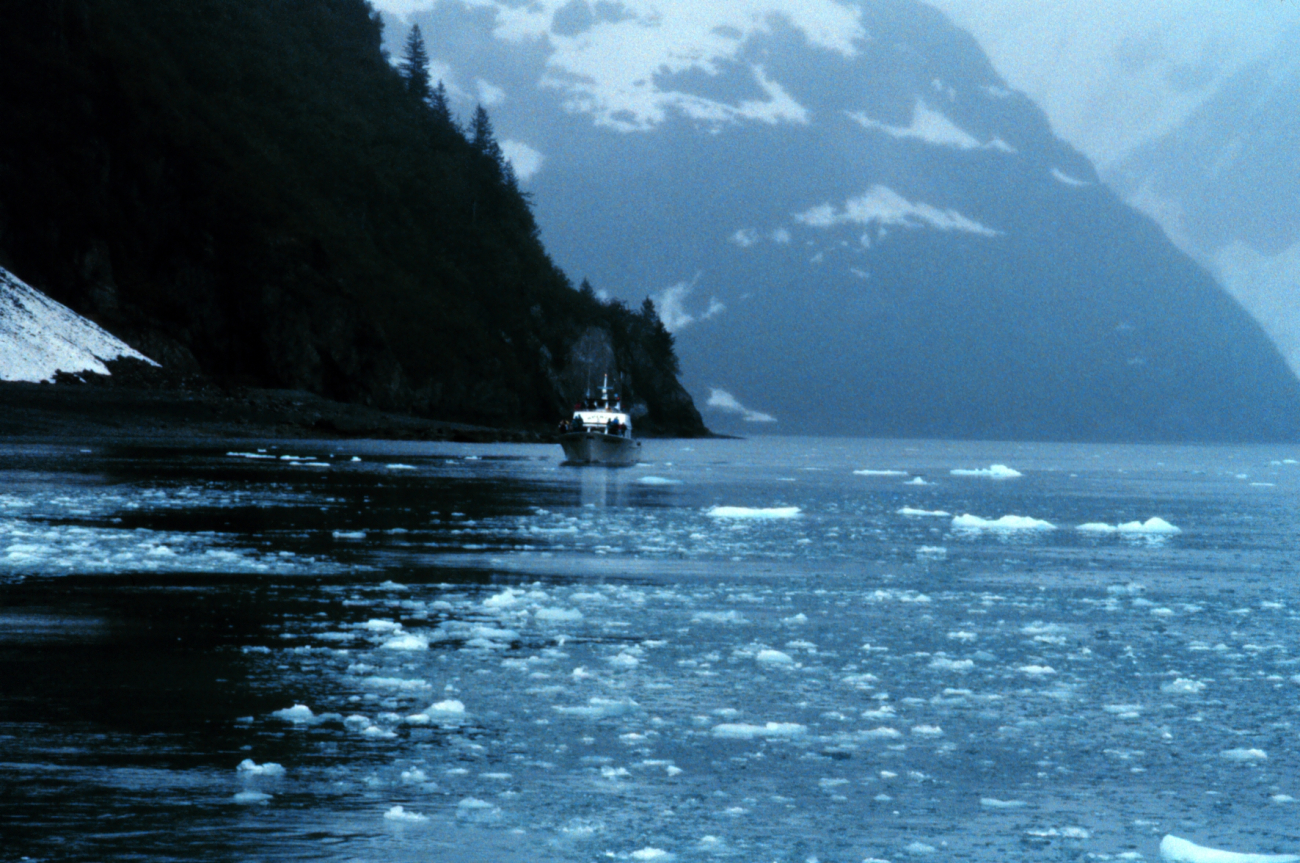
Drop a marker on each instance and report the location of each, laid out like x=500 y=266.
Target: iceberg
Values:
x=1153 y=526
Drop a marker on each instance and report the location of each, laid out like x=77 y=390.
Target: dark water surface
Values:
x=741 y=650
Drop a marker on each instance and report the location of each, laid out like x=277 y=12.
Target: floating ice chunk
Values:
x=747 y=731
x=919 y=849
x=995 y=803
x=997 y=471
x=773 y=657
x=881 y=733
x=1036 y=670
x=870 y=472
x=400 y=466
x=1282 y=798
x=250 y=455
x=378 y=625
x=248 y=767
x=249 y=798
x=397 y=813
x=1183 y=686
x=718 y=617
x=943 y=663
x=296 y=714
x=745 y=512
x=916 y=480
x=558 y=615
x=651 y=854
x=473 y=809
x=392 y=585
x=1175 y=850
x=1244 y=756
x=355 y=458
x=927 y=731
x=600 y=708
x=406 y=641
x=395 y=683
x=443 y=709
x=624 y=660
x=799 y=619
x=658 y=480
x=931 y=551
x=505 y=599
x=907 y=510
x=415 y=774
x=348 y=534
x=1006 y=522
x=1155 y=526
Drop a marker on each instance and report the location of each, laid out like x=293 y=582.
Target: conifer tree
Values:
x=482 y=137
x=414 y=67
x=438 y=104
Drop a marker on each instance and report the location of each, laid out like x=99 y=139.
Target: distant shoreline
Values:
x=66 y=411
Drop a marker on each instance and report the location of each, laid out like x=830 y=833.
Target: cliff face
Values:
x=245 y=189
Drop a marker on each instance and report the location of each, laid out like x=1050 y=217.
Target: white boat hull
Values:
x=596 y=447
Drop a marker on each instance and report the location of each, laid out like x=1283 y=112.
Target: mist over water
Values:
x=780 y=649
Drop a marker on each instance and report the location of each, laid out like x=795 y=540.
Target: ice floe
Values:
x=997 y=471
x=907 y=510
x=1152 y=525
x=1244 y=756
x=1007 y=522
x=871 y=472
x=1176 y=850
x=745 y=512
x=248 y=798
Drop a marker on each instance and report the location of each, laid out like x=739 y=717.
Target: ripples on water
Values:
x=773 y=649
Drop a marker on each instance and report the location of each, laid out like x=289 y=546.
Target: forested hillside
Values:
x=249 y=189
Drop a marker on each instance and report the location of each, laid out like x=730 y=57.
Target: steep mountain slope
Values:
x=249 y=189
x=854 y=226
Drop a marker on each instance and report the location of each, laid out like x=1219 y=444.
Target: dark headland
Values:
x=300 y=232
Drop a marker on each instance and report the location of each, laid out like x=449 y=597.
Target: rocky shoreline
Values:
x=67 y=410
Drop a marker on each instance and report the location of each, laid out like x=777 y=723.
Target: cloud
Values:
x=745 y=237
x=489 y=94
x=671 y=303
x=610 y=59
x=933 y=127
x=884 y=206
x=725 y=401
x=524 y=159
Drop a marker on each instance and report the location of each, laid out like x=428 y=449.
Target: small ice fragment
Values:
x=1175 y=850
x=297 y=713
x=995 y=803
x=1183 y=686
x=1036 y=670
x=378 y=625
x=746 y=731
x=745 y=512
x=348 y=534
x=248 y=767
x=400 y=466
x=356 y=458
x=997 y=471
x=927 y=731
x=907 y=510
x=247 y=798
x=919 y=849
x=407 y=641
x=943 y=663
x=443 y=709
x=658 y=480
x=397 y=813
x=1153 y=526
x=870 y=472
x=651 y=854
x=1244 y=756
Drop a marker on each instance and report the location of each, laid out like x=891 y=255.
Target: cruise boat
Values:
x=600 y=432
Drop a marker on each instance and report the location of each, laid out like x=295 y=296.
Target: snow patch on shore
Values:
x=40 y=338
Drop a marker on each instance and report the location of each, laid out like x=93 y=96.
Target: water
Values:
x=741 y=650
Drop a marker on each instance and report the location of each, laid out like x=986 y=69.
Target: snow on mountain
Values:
x=1190 y=111
x=39 y=337
x=852 y=223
